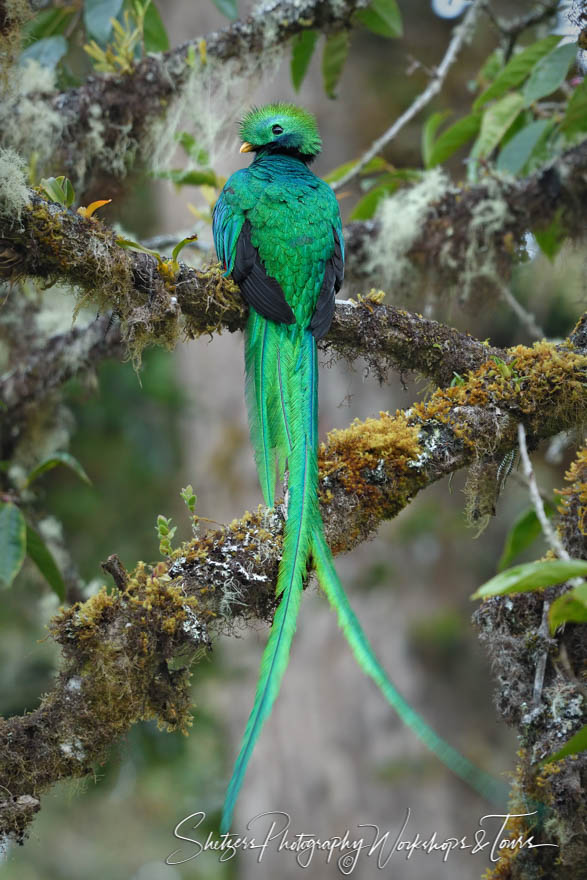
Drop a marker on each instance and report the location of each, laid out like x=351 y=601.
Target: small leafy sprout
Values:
x=92 y=208
x=165 y=532
x=167 y=268
x=59 y=189
x=457 y=380
x=120 y=55
x=189 y=498
x=190 y=58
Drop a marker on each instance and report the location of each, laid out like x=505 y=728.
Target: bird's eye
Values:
x=277 y=129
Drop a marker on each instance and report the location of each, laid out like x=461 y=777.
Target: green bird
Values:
x=277 y=230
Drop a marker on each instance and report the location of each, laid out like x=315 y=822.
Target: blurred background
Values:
x=333 y=755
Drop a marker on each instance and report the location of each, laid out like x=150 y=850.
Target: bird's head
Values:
x=281 y=128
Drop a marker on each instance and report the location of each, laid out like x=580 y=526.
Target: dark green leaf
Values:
x=195 y=177
x=54 y=460
x=97 y=15
x=226 y=7
x=532 y=576
x=522 y=535
x=429 y=133
x=571 y=607
x=496 y=121
x=192 y=148
x=518 y=150
x=382 y=17
x=48 y=51
x=550 y=73
x=575 y=118
x=46 y=24
x=336 y=49
x=12 y=542
x=302 y=49
x=516 y=70
x=550 y=238
x=451 y=140
x=576 y=744
x=154 y=33
x=43 y=559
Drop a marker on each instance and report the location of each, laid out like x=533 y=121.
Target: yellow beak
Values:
x=246 y=148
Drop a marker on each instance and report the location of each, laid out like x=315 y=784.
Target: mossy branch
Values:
x=127 y=106
x=510 y=627
x=471 y=237
x=117 y=647
x=156 y=304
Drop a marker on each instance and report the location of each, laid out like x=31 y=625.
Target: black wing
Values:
x=333 y=276
x=261 y=291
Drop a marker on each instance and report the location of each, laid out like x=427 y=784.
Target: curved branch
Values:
x=117 y=646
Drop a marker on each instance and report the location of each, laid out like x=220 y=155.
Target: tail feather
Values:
x=485 y=784
x=301 y=521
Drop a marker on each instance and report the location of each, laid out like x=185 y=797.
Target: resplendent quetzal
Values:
x=277 y=230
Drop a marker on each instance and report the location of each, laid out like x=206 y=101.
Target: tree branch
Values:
x=119 y=111
x=117 y=646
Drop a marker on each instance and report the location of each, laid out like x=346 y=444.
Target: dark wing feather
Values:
x=261 y=291
x=333 y=276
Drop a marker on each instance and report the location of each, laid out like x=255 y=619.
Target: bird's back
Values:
x=292 y=215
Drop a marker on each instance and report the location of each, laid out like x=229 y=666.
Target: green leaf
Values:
x=193 y=177
x=429 y=133
x=53 y=461
x=366 y=207
x=518 y=150
x=550 y=73
x=97 y=15
x=180 y=246
x=192 y=148
x=496 y=121
x=302 y=49
x=43 y=559
x=576 y=744
x=550 y=238
x=522 y=535
x=49 y=51
x=154 y=33
x=516 y=70
x=226 y=7
x=59 y=189
x=373 y=165
x=532 y=576
x=453 y=138
x=46 y=24
x=571 y=607
x=68 y=191
x=575 y=118
x=12 y=542
x=336 y=49
x=382 y=17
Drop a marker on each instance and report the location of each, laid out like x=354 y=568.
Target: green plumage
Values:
x=277 y=228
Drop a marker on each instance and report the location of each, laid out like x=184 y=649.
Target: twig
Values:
x=555 y=543
x=511 y=30
x=525 y=317
x=460 y=36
